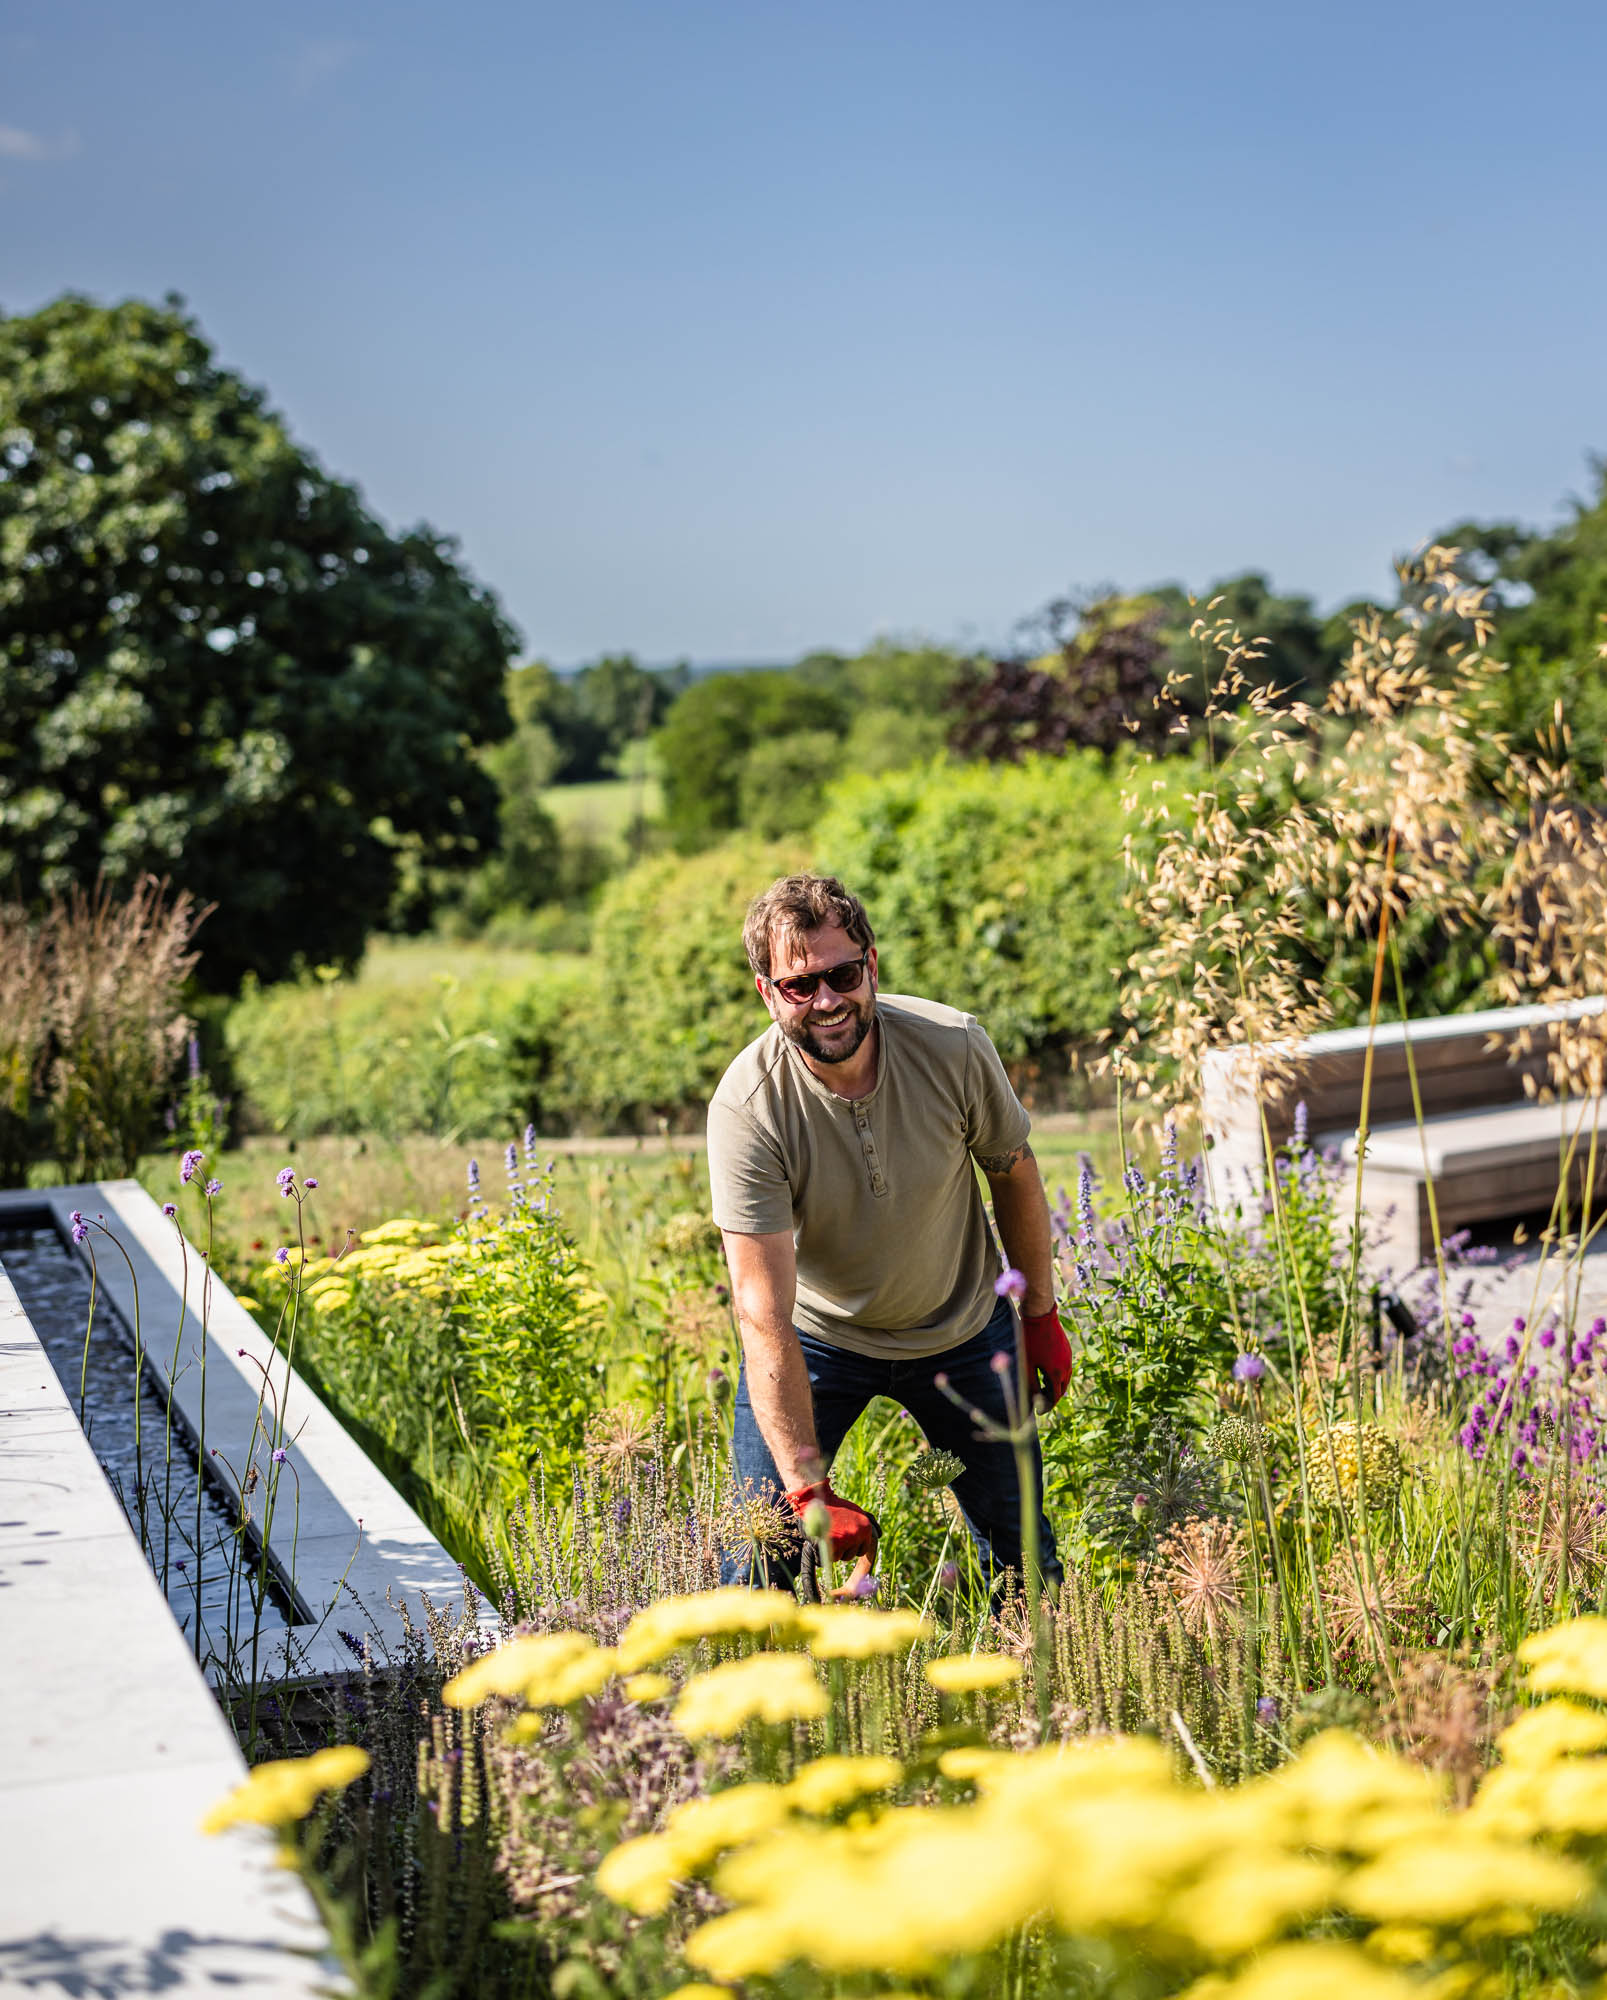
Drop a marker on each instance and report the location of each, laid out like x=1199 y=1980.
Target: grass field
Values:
x=606 y=811
x=397 y=962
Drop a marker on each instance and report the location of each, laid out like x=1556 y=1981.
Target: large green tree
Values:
x=215 y=664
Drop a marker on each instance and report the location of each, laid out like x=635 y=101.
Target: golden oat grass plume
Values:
x=1302 y=821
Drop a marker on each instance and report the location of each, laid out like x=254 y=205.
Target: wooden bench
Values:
x=1492 y=1150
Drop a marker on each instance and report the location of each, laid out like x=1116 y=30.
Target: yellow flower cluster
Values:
x=643 y=1874
x=280 y=1793
x=1101 y=1841
x=542 y=1669
x=765 y=1687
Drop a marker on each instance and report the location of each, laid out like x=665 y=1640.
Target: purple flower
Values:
x=286 y=1178
x=948 y=1575
x=281 y=1255
x=530 y=1145
x=280 y=1456
x=1513 y=1347
x=1298 y=1141
x=1266 y=1708
x=1010 y=1284
x=213 y=1188
x=1249 y=1368
x=1549 y=1337
x=511 y=1158
x=169 y=1209
x=190 y=1166
x=80 y=1228
x=1519 y=1323
x=1001 y=1364
x=867 y=1586
x=309 y=1182
x=474 y=1180
x=1467 y=1319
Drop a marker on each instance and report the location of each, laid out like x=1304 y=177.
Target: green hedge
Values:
x=674 y=1000
x=997 y=888
x=322 y=1055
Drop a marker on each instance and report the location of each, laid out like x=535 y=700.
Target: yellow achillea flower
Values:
x=1568 y=1659
x=918 y=1886
x=1323 y=1970
x=699 y=1989
x=401 y=1229
x=330 y=1297
x=532 y=1659
x=1457 y=1876
x=1520 y=1801
x=557 y=1686
x=972 y=1673
x=1248 y=1897
x=1341 y=1795
x=765 y=1687
x=641 y=1874
x=280 y=1793
x=829 y=1782
x=856 y=1632
x=649 y=1687
x=251 y=1305
x=1554 y=1729
x=653 y=1634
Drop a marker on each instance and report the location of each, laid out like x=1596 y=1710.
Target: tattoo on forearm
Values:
x=1003 y=1163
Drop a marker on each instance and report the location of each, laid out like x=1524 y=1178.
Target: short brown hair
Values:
x=797 y=905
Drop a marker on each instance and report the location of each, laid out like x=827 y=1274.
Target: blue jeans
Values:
x=842 y=1384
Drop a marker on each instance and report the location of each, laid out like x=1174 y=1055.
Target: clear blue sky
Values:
x=726 y=328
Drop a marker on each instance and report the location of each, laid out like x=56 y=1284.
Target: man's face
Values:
x=829 y=1026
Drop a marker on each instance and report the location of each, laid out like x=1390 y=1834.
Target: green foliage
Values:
x=326 y=1055
x=995 y=889
x=675 y=999
x=723 y=749
x=472 y=1366
x=203 y=632
x=591 y=717
x=709 y=732
x=1151 y=1322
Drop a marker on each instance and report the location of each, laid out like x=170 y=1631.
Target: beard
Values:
x=844 y=1041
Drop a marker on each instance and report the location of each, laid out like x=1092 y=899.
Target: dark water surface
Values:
x=185 y=1524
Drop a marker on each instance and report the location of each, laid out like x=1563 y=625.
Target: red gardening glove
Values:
x=853 y=1532
x=1048 y=1355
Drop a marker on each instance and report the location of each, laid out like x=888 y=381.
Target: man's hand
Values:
x=852 y=1531
x=1048 y=1355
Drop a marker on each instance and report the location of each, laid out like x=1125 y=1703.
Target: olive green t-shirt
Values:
x=895 y=1257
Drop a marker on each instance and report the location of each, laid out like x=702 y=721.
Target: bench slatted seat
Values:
x=1485 y=1164
x=1468 y=1067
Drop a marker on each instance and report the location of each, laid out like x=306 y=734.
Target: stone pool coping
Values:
x=114 y=1744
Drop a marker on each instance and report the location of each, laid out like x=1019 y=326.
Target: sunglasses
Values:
x=840 y=978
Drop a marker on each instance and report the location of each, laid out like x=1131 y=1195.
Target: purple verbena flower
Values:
x=280 y=1456
x=190 y=1166
x=213 y=1188
x=281 y=1255
x=80 y=1228
x=169 y=1209
x=1548 y=1337
x=1010 y=1284
x=309 y=1183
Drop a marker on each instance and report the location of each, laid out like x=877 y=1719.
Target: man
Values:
x=841 y=1145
